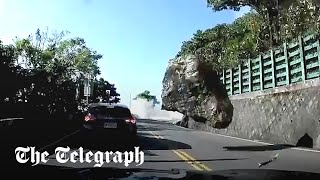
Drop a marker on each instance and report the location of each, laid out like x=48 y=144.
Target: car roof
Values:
x=108 y=105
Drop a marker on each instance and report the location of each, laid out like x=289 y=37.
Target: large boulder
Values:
x=195 y=90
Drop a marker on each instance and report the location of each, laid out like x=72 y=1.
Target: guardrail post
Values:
x=273 y=67
x=261 y=72
x=249 y=74
x=318 y=51
x=285 y=53
x=231 y=81
x=240 y=79
x=302 y=58
x=223 y=76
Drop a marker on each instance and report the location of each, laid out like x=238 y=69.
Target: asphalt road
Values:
x=167 y=146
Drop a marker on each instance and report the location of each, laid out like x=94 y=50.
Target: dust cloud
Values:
x=147 y=110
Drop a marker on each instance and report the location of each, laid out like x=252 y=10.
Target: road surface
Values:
x=167 y=146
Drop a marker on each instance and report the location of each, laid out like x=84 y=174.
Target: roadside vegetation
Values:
x=44 y=74
x=147 y=96
x=269 y=24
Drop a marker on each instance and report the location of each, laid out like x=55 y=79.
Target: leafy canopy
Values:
x=147 y=96
x=105 y=92
x=41 y=52
x=268 y=24
x=49 y=72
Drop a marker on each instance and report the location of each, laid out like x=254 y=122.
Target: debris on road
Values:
x=269 y=161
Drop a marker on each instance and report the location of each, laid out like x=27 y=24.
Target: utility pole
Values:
x=88 y=88
x=88 y=91
x=130 y=101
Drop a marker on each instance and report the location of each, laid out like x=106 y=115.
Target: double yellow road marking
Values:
x=190 y=160
x=155 y=135
x=186 y=157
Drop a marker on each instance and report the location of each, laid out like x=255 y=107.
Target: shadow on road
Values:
x=119 y=143
x=24 y=136
x=258 y=148
x=199 y=160
x=150 y=143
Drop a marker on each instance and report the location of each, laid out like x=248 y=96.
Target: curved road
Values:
x=167 y=146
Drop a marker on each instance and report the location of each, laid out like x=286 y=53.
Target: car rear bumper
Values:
x=128 y=129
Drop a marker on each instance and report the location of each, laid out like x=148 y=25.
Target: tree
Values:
x=77 y=56
x=47 y=70
x=300 y=18
x=147 y=96
x=269 y=9
x=10 y=72
x=276 y=13
x=226 y=45
x=103 y=91
x=44 y=53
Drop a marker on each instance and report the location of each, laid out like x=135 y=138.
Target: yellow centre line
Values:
x=155 y=135
x=185 y=156
x=187 y=160
x=194 y=160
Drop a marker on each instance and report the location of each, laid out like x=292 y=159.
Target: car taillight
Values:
x=131 y=120
x=89 y=117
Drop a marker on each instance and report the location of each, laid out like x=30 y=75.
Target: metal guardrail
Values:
x=288 y=64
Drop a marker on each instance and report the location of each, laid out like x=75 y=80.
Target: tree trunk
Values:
x=272 y=15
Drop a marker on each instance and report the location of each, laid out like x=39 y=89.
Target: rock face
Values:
x=283 y=115
x=193 y=89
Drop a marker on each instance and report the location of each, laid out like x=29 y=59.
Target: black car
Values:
x=110 y=118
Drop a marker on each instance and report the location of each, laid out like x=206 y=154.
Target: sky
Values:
x=135 y=37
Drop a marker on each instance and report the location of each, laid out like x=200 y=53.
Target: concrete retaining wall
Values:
x=279 y=115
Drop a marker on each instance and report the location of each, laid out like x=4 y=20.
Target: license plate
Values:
x=110 y=125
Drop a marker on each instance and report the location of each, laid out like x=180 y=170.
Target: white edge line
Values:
x=309 y=150
x=59 y=140
x=248 y=140
x=255 y=141
x=10 y=119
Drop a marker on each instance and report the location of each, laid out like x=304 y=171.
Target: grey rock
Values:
x=310 y=103
x=288 y=122
x=191 y=88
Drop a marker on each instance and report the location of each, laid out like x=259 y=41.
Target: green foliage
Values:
x=47 y=70
x=223 y=45
x=9 y=72
x=219 y=5
x=270 y=10
x=100 y=94
x=46 y=53
x=268 y=24
x=77 y=56
x=147 y=96
x=301 y=17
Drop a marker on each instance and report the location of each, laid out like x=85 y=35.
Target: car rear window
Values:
x=114 y=112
